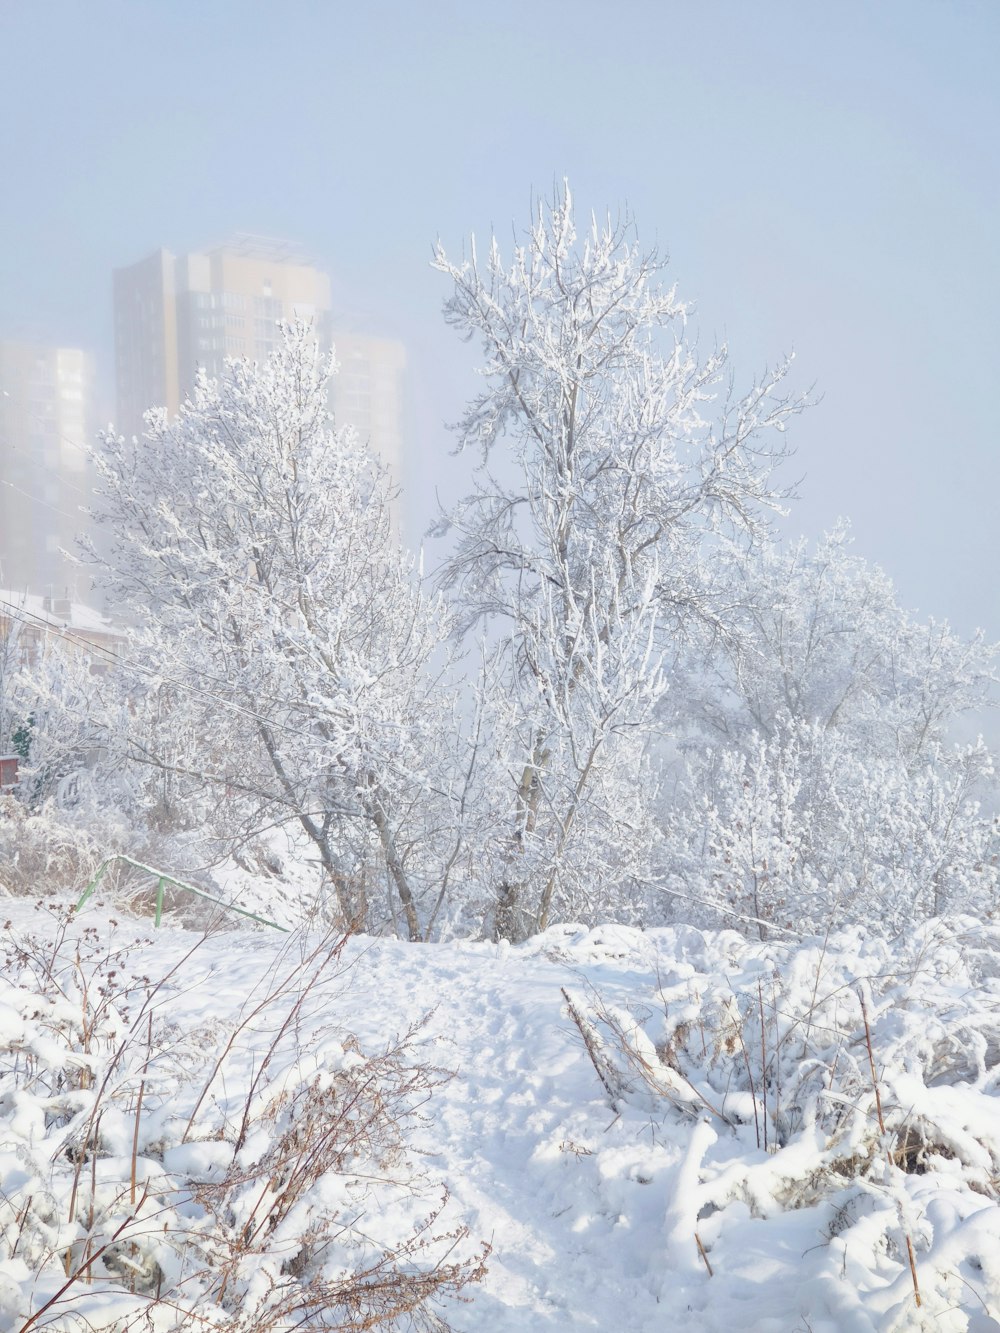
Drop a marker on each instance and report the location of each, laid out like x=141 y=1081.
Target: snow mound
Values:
x=672 y=1128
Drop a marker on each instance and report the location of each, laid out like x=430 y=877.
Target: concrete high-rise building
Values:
x=177 y=314
x=47 y=421
x=145 y=311
x=367 y=392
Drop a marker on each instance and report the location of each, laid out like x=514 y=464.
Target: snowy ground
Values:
x=628 y=1187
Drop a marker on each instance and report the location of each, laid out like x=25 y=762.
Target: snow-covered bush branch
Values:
x=216 y=1177
x=848 y=1082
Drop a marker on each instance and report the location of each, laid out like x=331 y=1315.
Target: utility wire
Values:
x=35 y=499
x=32 y=621
x=64 y=439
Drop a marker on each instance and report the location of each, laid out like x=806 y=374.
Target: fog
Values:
x=824 y=178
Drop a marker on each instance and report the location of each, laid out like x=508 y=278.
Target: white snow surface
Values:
x=594 y=1195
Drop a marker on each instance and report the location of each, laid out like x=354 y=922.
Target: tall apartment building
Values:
x=47 y=420
x=176 y=314
x=366 y=392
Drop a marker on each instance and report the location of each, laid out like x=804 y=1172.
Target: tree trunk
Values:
x=395 y=867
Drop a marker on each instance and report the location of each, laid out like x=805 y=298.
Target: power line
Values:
x=35 y=499
x=32 y=621
x=64 y=439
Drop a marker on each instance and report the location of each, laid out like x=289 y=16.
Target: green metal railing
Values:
x=162 y=879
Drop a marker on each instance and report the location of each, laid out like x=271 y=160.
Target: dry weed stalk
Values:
x=263 y=1218
x=763 y=1062
x=300 y=981
x=701 y=1251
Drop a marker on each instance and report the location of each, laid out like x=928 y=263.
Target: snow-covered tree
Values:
x=288 y=658
x=818 y=636
x=607 y=467
x=11 y=721
x=822 y=783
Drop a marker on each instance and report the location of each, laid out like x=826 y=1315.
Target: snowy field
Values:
x=651 y=1131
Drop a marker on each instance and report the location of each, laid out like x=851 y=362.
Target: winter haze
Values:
x=582 y=917
x=824 y=179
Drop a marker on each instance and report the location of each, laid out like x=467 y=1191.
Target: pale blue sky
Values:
x=825 y=176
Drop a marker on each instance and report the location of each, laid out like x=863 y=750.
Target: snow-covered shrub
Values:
x=848 y=1078
x=43 y=850
x=800 y=831
x=820 y=784
x=74 y=802
x=250 y=1175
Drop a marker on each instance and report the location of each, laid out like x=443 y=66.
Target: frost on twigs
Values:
x=252 y=1175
